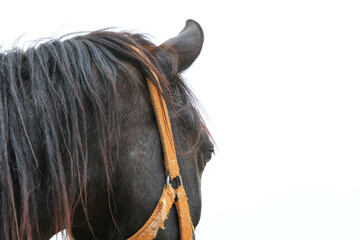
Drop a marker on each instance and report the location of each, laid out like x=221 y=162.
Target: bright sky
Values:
x=280 y=83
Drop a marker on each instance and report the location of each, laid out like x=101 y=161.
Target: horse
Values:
x=80 y=145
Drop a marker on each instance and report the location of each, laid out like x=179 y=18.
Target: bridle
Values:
x=169 y=195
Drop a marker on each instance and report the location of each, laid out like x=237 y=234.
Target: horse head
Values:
x=81 y=148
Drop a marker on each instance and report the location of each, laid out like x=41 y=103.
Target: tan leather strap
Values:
x=149 y=230
x=186 y=227
x=158 y=217
x=163 y=122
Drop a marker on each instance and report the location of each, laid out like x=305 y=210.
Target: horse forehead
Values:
x=185 y=113
x=178 y=99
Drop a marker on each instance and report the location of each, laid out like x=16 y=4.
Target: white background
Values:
x=280 y=83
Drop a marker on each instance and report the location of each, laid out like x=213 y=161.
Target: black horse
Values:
x=80 y=148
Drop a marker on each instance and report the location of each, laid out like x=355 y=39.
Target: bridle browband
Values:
x=169 y=195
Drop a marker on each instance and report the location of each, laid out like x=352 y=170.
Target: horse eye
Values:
x=208 y=154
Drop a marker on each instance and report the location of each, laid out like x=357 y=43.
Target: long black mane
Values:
x=55 y=99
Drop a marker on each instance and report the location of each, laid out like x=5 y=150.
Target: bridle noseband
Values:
x=169 y=195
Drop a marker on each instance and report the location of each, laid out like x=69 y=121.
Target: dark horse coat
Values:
x=79 y=143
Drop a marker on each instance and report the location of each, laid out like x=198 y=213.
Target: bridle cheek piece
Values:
x=169 y=195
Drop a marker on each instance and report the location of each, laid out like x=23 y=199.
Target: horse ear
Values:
x=184 y=48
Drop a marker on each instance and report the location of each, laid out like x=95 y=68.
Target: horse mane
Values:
x=47 y=94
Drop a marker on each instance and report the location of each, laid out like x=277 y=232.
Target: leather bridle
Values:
x=169 y=195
